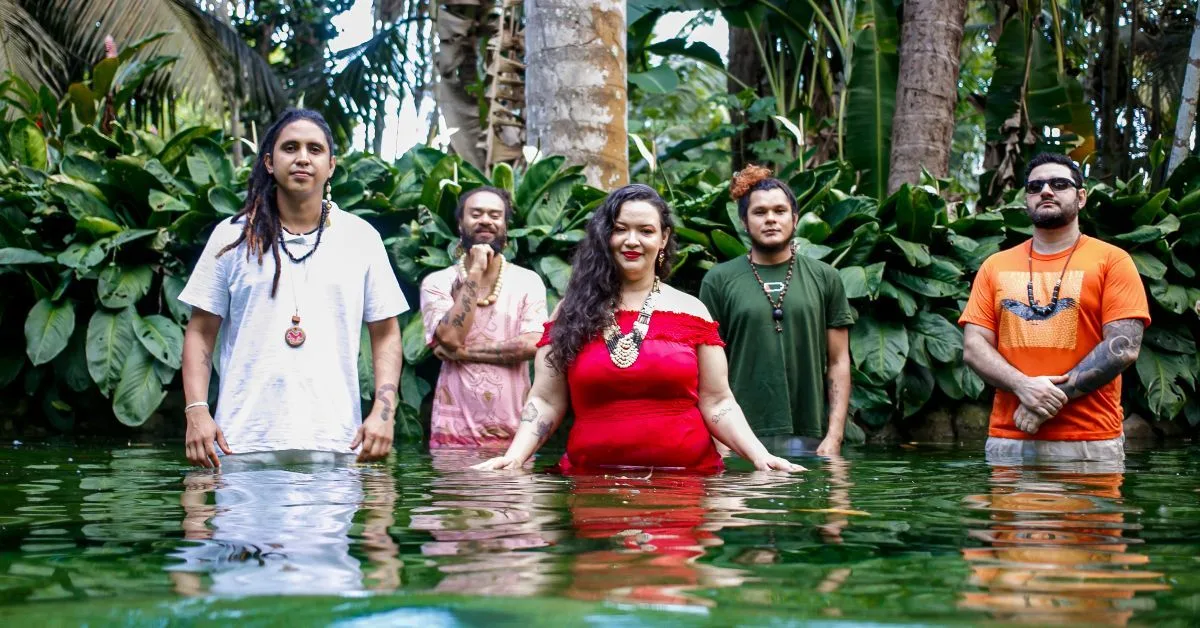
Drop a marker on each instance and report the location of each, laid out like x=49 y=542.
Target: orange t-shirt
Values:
x=1100 y=286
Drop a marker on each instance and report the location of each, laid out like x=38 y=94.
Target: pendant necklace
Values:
x=623 y=349
x=776 y=307
x=295 y=336
x=1046 y=310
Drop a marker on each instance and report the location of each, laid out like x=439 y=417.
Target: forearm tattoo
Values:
x=543 y=431
x=381 y=395
x=206 y=359
x=470 y=292
x=530 y=413
x=721 y=414
x=1119 y=348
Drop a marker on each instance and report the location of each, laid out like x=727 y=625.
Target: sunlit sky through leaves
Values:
x=406 y=127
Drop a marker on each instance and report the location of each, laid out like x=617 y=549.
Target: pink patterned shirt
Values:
x=474 y=404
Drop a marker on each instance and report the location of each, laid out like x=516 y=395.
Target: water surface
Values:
x=129 y=535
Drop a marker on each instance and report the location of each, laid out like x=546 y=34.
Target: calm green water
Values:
x=129 y=535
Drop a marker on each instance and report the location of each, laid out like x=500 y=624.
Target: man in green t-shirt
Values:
x=784 y=319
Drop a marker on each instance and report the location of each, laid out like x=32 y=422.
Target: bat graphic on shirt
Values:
x=1027 y=313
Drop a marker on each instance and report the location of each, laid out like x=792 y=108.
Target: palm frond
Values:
x=27 y=50
x=348 y=87
x=211 y=60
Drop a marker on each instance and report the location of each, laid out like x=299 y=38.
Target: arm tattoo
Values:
x=467 y=301
x=530 y=413
x=543 y=431
x=1119 y=348
x=720 y=414
x=381 y=395
x=206 y=359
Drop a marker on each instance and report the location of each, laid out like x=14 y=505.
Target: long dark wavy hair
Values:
x=595 y=280
x=260 y=214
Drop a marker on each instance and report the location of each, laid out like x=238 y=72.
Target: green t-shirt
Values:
x=778 y=378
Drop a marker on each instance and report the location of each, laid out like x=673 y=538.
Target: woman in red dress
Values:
x=638 y=361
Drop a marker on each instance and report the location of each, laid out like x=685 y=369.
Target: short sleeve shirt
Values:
x=274 y=396
x=476 y=404
x=1100 y=285
x=778 y=378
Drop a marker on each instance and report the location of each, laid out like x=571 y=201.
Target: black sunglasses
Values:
x=1058 y=184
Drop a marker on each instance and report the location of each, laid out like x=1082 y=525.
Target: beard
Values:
x=772 y=247
x=497 y=243
x=1052 y=217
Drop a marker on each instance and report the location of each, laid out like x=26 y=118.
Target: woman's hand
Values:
x=775 y=463
x=499 y=463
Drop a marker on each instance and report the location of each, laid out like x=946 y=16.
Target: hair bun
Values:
x=747 y=178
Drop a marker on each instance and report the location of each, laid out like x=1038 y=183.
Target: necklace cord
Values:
x=1043 y=310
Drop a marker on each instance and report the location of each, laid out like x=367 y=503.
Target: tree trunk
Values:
x=575 y=89
x=745 y=70
x=1110 y=69
x=927 y=89
x=1186 y=120
x=459 y=31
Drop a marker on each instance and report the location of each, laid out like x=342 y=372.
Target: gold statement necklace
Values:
x=624 y=349
x=495 y=294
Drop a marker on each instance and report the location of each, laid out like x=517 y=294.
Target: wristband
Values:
x=195 y=404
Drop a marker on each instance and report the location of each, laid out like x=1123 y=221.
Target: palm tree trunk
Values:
x=575 y=88
x=927 y=89
x=459 y=29
x=745 y=69
x=1186 y=120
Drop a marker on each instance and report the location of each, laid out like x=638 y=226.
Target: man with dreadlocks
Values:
x=784 y=319
x=290 y=325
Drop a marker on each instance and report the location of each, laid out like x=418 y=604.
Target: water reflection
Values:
x=279 y=524
x=1058 y=546
x=484 y=527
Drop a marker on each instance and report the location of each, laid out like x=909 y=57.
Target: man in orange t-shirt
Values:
x=1051 y=323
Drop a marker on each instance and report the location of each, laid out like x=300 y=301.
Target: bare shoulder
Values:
x=676 y=300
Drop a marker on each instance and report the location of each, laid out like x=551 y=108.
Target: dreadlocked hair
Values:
x=260 y=214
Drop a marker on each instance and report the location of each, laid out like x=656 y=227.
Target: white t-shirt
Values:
x=273 y=396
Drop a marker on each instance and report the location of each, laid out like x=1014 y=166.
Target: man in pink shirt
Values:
x=483 y=317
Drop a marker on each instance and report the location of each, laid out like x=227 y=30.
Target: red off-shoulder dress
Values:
x=646 y=415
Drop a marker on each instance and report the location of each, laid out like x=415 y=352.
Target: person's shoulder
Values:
x=676 y=300
x=443 y=277
x=817 y=266
x=727 y=271
x=230 y=228
x=353 y=225
x=1106 y=249
x=524 y=275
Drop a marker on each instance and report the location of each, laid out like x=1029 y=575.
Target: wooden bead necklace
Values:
x=776 y=307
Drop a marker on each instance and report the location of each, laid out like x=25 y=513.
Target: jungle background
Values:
x=129 y=126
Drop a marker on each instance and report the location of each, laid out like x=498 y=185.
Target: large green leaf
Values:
x=162 y=337
x=48 y=329
x=916 y=387
x=535 y=182
x=173 y=286
x=942 y=339
x=1150 y=233
x=14 y=256
x=879 y=348
x=1161 y=374
x=121 y=287
x=556 y=271
x=1148 y=266
x=872 y=95
x=81 y=198
x=224 y=201
x=139 y=393
x=413 y=340
x=163 y=202
x=657 y=80
x=207 y=164
x=861 y=282
x=1173 y=298
x=917 y=255
x=110 y=338
x=27 y=145
x=729 y=246
x=83 y=256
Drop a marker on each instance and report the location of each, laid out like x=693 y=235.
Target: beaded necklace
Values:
x=776 y=307
x=623 y=349
x=1046 y=310
x=495 y=294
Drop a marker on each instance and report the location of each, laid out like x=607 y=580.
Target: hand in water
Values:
x=775 y=463
x=202 y=431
